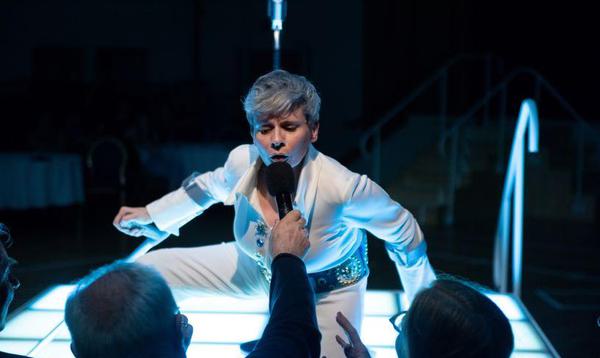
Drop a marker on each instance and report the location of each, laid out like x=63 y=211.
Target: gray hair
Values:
x=279 y=93
x=122 y=310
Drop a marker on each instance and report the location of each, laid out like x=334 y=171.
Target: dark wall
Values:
x=162 y=28
x=208 y=52
x=185 y=65
x=557 y=38
x=320 y=40
x=406 y=41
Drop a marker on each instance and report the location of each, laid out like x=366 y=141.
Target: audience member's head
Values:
x=9 y=282
x=125 y=310
x=451 y=319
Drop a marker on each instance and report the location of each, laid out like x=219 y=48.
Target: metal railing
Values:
x=513 y=192
x=502 y=89
x=452 y=133
x=439 y=76
x=513 y=188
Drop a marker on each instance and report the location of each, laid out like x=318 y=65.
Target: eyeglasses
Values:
x=5 y=237
x=396 y=320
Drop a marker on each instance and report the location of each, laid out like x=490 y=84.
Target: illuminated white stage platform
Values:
x=222 y=323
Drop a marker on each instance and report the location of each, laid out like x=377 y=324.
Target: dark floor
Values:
x=561 y=278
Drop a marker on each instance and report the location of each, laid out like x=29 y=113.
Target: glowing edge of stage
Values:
x=221 y=323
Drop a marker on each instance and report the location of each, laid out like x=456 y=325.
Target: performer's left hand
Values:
x=355 y=348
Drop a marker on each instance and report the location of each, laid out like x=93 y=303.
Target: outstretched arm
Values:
x=369 y=207
x=292 y=330
x=166 y=215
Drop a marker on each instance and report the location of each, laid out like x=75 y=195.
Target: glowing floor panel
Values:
x=222 y=323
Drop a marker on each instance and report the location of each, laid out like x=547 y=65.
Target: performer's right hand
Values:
x=131 y=221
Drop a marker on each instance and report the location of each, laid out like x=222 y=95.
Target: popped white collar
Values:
x=307 y=183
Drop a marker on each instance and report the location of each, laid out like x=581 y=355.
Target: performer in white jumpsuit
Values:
x=338 y=205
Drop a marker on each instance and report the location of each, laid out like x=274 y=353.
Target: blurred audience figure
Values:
x=449 y=319
x=9 y=282
x=126 y=310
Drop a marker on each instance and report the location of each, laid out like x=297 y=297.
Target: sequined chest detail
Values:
x=261 y=234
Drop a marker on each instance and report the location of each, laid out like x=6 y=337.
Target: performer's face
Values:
x=284 y=138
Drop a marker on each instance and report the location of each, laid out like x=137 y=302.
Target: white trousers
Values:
x=223 y=269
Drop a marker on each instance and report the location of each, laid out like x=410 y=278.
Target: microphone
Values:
x=281 y=184
x=277 y=10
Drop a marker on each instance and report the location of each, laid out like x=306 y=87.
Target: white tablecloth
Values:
x=40 y=180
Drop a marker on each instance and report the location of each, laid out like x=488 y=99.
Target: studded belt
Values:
x=349 y=272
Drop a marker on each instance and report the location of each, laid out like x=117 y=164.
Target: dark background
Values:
x=184 y=66
x=155 y=72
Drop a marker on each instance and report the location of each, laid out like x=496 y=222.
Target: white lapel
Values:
x=246 y=183
x=306 y=190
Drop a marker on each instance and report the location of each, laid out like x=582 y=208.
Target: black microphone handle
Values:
x=284 y=204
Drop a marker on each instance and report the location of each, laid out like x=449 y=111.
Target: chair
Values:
x=106 y=162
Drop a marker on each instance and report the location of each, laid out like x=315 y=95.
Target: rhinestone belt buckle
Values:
x=350 y=271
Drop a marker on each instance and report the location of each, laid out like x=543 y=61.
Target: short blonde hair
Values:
x=279 y=93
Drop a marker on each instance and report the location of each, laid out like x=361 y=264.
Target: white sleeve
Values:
x=369 y=207
x=197 y=193
x=416 y=277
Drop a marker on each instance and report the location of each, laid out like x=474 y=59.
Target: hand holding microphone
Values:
x=288 y=235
